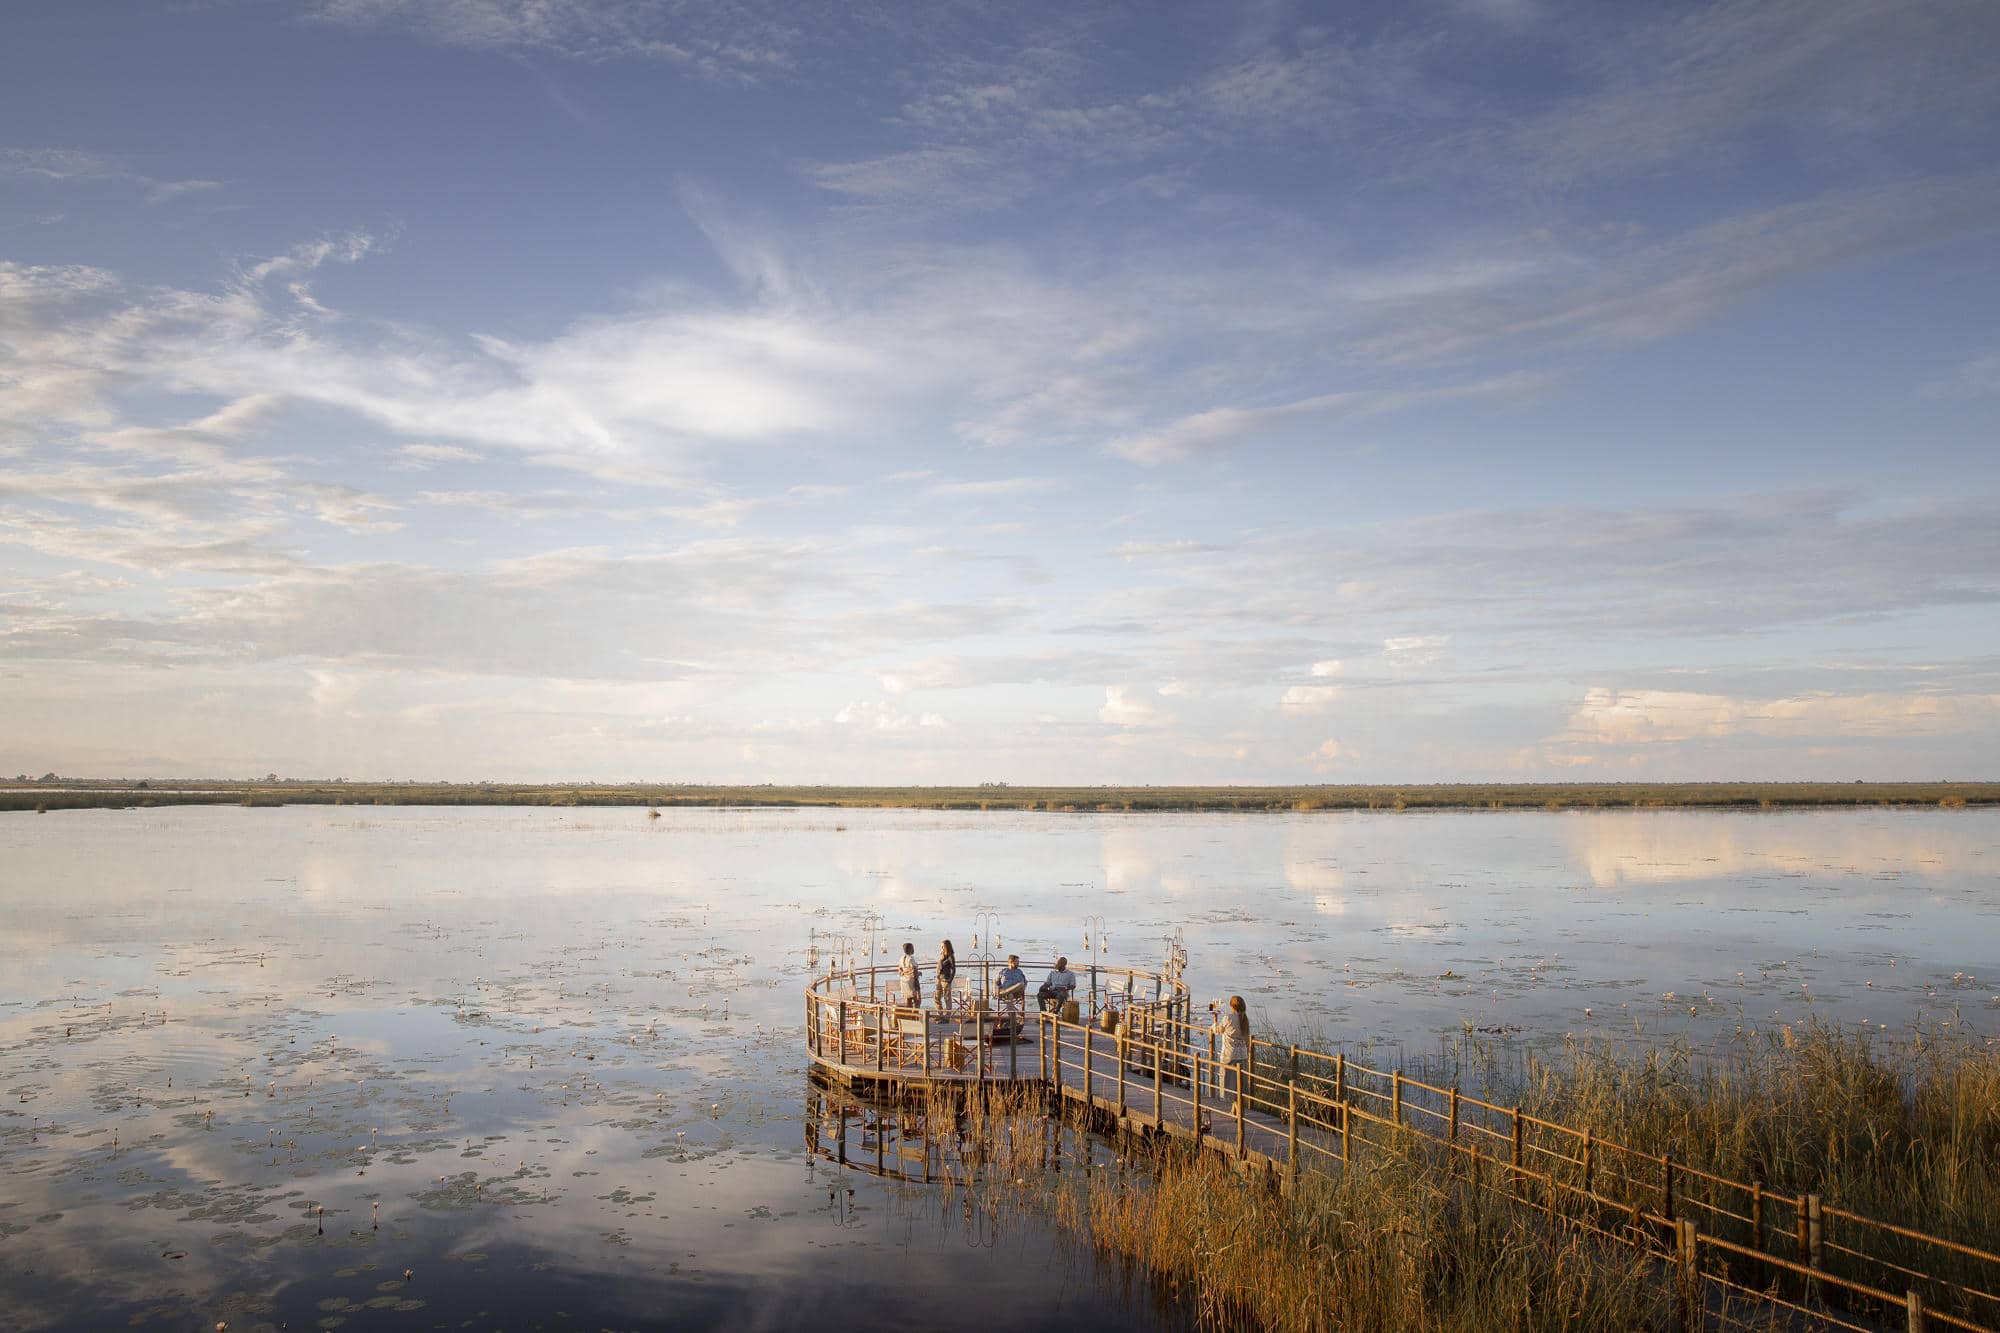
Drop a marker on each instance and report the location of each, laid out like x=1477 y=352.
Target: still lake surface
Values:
x=548 y=1061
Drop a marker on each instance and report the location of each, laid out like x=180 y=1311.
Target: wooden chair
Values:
x=903 y=1042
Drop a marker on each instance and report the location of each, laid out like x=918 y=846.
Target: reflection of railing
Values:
x=1303 y=1110
x=853 y=1024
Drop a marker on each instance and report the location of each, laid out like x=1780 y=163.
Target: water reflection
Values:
x=549 y=1060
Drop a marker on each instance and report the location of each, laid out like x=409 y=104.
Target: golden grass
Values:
x=1410 y=1237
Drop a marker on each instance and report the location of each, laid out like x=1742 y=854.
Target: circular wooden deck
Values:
x=856 y=1034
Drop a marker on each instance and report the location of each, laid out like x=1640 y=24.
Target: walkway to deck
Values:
x=1308 y=1111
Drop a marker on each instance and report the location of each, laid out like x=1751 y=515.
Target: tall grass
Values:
x=1409 y=1236
x=1905 y=1133
x=1389 y=1245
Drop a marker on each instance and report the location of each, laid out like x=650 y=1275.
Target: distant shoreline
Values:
x=79 y=794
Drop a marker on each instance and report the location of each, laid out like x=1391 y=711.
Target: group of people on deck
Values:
x=1231 y=1025
x=1011 y=990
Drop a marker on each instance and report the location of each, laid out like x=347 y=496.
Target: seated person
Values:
x=1013 y=983
x=1061 y=984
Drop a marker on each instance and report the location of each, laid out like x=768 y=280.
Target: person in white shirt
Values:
x=906 y=978
x=1233 y=1027
x=1059 y=986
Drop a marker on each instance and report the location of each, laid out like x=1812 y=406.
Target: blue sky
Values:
x=1468 y=389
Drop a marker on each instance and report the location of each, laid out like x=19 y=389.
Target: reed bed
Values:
x=1411 y=1236
x=1905 y=1133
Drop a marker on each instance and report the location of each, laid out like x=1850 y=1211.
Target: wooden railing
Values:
x=853 y=1023
x=1303 y=1110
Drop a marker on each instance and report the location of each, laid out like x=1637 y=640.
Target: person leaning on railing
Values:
x=1059 y=986
x=1234 y=1054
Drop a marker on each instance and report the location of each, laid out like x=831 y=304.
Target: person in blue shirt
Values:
x=1013 y=981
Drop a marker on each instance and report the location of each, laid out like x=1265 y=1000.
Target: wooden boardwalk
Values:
x=1155 y=1072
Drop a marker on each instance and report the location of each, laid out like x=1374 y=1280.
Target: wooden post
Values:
x=927 y=1061
x=1346 y=1138
x=1454 y=1117
x=1215 y=1088
x=1686 y=1249
x=1517 y=1144
x=1157 y=1076
x=1194 y=1084
x=1396 y=1098
x=1805 y=1240
x=1054 y=1024
x=1088 y=1096
x=980 y=1032
x=1340 y=1079
x=1914 y=1308
x=1757 y=1215
x=1292 y=1130
x=1586 y=1161
x=840 y=1030
x=1119 y=1043
x=1014 y=1025
x=812 y=1025
x=1292 y=1065
x=1242 y=1094
x=1815 y=1232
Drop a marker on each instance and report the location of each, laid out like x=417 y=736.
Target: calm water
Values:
x=547 y=1061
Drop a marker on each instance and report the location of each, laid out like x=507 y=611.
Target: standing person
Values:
x=1233 y=1026
x=906 y=978
x=947 y=970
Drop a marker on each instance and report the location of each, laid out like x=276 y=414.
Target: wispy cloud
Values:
x=67 y=166
x=734 y=41
x=1224 y=428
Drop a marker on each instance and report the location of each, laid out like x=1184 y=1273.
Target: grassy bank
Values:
x=115 y=794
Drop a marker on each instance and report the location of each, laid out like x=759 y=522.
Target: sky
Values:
x=757 y=391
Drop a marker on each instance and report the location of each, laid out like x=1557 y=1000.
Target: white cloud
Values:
x=1331 y=666
x=417 y=457
x=1328 y=756
x=1415 y=649
x=1619 y=718
x=1309 y=700
x=873 y=716
x=1127 y=707
x=993 y=488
